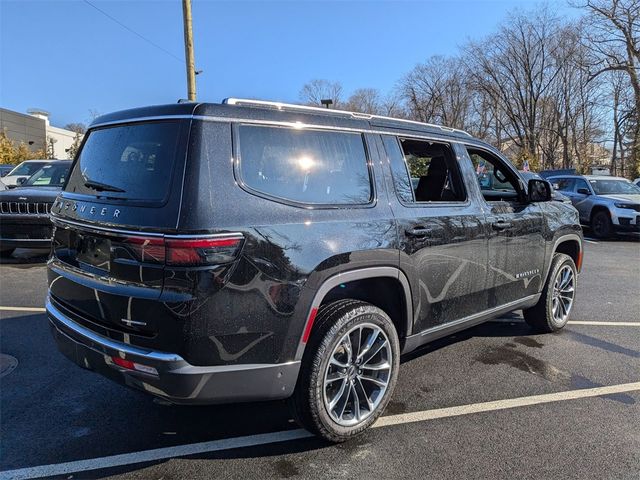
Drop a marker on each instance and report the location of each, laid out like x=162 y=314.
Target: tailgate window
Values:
x=132 y=162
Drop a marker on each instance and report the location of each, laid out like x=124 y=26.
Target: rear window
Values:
x=133 y=162
x=305 y=166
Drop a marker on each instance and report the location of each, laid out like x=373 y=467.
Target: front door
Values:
x=515 y=229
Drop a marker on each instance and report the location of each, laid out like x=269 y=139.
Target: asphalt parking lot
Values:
x=493 y=402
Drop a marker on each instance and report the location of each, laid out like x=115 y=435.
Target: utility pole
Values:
x=188 y=50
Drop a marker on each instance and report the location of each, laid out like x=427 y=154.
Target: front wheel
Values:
x=601 y=225
x=349 y=370
x=551 y=313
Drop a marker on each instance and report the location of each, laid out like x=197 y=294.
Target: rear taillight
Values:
x=202 y=251
x=187 y=251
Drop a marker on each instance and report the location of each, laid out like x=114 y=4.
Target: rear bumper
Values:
x=176 y=380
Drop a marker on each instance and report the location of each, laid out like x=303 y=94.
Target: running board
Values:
x=426 y=336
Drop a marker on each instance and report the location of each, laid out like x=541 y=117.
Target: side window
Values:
x=564 y=184
x=581 y=184
x=424 y=171
x=305 y=166
x=497 y=182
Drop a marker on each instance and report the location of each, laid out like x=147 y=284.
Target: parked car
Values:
x=22 y=172
x=5 y=169
x=607 y=204
x=303 y=267
x=555 y=194
x=24 y=210
x=636 y=182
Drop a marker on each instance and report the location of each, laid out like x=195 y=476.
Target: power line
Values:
x=133 y=31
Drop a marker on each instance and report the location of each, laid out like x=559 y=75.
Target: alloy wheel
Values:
x=357 y=375
x=563 y=294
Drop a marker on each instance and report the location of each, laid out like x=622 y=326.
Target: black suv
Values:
x=250 y=250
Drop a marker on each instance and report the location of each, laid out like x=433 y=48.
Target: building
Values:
x=34 y=130
x=23 y=128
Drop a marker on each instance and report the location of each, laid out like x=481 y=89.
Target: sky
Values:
x=68 y=58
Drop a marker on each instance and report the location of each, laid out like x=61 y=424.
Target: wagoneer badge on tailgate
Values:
x=102 y=211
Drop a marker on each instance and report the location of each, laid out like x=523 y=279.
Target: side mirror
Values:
x=20 y=180
x=584 y=191
x=539 y=190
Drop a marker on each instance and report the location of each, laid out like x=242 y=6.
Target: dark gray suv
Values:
x=209 y=253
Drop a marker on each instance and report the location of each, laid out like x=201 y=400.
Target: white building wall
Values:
x=62 y=140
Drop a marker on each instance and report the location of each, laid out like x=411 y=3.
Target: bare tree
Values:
x=614 y=36
x=365 y=100
x=436 y=92
x=515 y=68
x=316 y=90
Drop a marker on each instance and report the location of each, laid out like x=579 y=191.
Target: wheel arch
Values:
x=569 y=244
x=365 y=284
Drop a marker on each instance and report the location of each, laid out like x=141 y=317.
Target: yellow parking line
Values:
x=22 y=309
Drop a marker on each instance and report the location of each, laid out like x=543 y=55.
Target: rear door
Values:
x=443 y=244
x=515 y=229
x=122 y=196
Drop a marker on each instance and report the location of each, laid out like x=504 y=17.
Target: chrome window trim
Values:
x=212 y=118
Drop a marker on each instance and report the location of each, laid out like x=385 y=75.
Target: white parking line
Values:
x=276 y=437
x=22 y=309
x=612 y=324
x=505 y=404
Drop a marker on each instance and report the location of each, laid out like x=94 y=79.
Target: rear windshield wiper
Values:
x=102 y=187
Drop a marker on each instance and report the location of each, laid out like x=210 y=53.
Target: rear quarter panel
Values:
x=256 y=312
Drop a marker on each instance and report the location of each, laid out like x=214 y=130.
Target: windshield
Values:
x=49 y=176
x=610 y=187
x=26 y=169
x=132 y=162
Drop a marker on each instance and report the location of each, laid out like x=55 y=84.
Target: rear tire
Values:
x=551 y=313
x=348 y=372
x=601 y=225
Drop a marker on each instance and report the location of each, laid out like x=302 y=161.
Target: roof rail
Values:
x=306 y=108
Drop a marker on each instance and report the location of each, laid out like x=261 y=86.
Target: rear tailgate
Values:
x=123 y=195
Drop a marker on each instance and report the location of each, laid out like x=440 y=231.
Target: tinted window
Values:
x=49 y=176
x=130 y=161
x=312 y=167
x=579 y=183
x=564 y=184
x=424 y=171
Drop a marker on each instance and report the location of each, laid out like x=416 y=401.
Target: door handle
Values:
x=420 y=231
x=501 y=225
